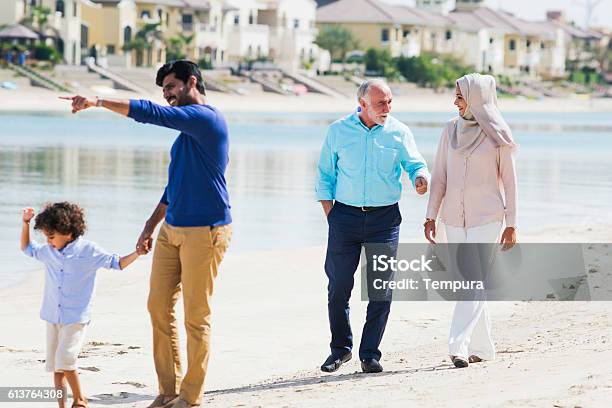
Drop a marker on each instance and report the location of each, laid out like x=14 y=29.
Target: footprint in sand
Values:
x=132 y=383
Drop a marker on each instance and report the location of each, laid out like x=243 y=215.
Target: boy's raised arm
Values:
x=27 y=215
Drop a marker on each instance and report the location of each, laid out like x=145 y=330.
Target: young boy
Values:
x=70 y=264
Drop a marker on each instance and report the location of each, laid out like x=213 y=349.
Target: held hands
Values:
x=80 y=103
x=421 y=185
x=145 y=241
x=27 y=214
x=508 y=238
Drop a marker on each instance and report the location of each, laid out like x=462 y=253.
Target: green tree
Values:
x=432 y=70
x=40 y=16
x=176 y=47
x=144 y=40
x=337 y=40
x=380 y=62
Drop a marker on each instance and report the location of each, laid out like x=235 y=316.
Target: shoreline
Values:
x=270 y=333
x=32 y=100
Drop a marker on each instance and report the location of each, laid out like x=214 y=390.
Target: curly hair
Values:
x=64 y=218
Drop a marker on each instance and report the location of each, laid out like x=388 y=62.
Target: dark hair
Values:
x=182 y=69
x=64 y=218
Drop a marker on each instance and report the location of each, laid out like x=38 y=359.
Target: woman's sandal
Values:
x=474 y=359
x=459 y=362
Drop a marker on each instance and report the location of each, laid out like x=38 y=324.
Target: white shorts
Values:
x=64 y=342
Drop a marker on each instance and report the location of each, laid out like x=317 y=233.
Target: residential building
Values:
x=110 y=25
x=245 y=38
x=292 y=31
x=581 y=45
x=201 y=23
x=13 y=11
x=62 y=28
x=488 y=40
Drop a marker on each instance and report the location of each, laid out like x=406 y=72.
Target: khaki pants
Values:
x=185 y=258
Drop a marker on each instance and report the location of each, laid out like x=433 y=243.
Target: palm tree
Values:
x=337 y=40
x=145 y=38
x=177 y=47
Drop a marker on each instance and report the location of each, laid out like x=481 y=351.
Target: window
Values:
x=251 y=19
x=110 y=49
x=187 y=22
x=528 y=43
x=296 y=23
x=60 y=7
x=542 y=46
x=160 y=15
x=512 y=45
x=75 y=9
x=384 y=35
x=84 y=36
x=237 y=19
x=449 y=35
x=146 y=14
x=491 y=41
x=127 y=34
x=406 y=33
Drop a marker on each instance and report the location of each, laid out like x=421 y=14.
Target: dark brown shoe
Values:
x=459 y=362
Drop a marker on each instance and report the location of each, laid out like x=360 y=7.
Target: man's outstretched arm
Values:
x=79 y=103
x=184 y=119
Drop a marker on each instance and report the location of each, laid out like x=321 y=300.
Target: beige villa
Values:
x=488 y=40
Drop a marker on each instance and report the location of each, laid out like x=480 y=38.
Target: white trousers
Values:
x=470 y=332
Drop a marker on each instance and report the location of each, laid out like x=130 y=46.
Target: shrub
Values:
x=44 y=52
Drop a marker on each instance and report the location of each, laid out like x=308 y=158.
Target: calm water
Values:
x=116 y=169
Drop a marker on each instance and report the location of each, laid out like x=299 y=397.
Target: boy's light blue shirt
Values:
x=70 y=278
x=363 y=167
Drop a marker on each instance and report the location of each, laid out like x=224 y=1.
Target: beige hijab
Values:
x=482 y=117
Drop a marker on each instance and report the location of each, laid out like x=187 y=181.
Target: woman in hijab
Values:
x=473 y=192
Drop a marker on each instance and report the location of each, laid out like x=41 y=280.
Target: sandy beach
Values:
x=412 y=99
x=270 y=334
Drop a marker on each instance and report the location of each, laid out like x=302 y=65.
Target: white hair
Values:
x=364 y=88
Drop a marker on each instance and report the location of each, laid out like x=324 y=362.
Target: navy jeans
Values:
x=349 y=229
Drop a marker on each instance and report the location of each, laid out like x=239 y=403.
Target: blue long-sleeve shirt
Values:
x=196 y=193
x=363 y=167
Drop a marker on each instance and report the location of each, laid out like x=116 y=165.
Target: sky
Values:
x=536 y=9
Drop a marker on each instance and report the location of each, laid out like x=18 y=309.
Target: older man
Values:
x=360 y=168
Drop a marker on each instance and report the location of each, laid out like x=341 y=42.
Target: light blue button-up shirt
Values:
x=363 y=167
x=70 y=279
